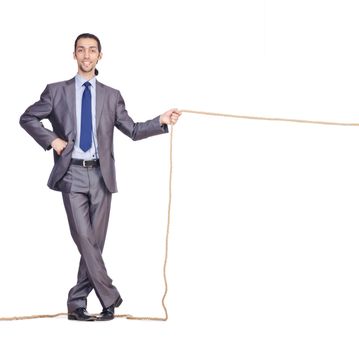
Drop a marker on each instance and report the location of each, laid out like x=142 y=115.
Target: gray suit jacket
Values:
x=57 y=103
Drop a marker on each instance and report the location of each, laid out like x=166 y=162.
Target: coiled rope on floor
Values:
x=165 y=317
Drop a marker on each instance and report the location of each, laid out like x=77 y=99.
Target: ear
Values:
x=74 y=54
x=100 y=56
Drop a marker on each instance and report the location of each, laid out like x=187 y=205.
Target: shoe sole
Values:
x=105 y=319
x=74 y=318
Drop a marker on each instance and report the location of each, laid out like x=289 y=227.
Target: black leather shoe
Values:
x=81 y=314
x=108 y=313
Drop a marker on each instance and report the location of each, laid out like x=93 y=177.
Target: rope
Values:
x=18 y=318
x=303 y=121
x=165 y=317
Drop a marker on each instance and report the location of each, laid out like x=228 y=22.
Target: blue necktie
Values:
x=86 y=119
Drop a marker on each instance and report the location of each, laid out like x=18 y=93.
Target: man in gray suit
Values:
x=83 y=113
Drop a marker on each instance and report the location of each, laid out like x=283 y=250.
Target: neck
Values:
x=87 y=75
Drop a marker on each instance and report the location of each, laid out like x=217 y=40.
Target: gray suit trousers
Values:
x=88 y=210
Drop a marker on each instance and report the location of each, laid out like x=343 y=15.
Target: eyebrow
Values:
x=84 y=47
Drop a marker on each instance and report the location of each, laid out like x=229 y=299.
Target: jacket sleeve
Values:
x=140 y=130
x=31 y=120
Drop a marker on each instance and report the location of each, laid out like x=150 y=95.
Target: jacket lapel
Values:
x=70 y=94
x=100 y=94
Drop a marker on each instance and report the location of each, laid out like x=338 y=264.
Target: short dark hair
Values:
x=89 y=36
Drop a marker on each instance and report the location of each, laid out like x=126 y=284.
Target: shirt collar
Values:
x=80 y=80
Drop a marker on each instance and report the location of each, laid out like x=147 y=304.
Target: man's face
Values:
x=87 y=55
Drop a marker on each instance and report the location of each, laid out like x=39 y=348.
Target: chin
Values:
x=87 y=70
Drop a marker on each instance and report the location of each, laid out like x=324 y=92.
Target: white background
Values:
x=264 y=236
